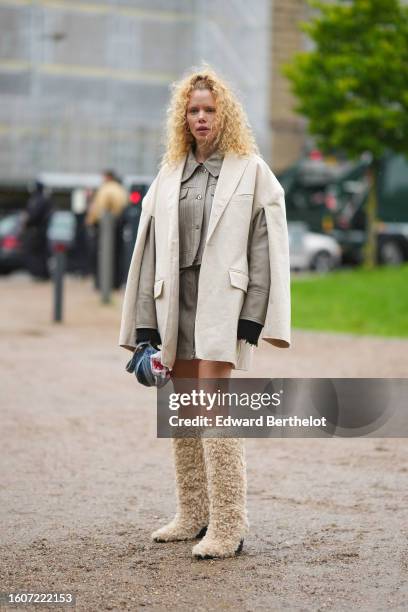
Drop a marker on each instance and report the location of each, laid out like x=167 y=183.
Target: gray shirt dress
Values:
x=198 y=183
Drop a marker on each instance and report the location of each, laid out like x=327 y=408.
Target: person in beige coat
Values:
x=209 y=276
x=110 y=197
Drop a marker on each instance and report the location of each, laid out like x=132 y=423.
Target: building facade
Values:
x=288 y=130
x=84 y=84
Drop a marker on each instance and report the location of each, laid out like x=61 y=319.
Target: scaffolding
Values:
x=84 y=84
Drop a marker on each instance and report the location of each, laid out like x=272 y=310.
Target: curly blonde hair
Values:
x=235 y=134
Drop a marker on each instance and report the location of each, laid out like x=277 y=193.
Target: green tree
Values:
x=353 y=85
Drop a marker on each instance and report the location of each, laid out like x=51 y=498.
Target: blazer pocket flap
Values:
x=158 y=288
x=240 y=198
x=239 y=279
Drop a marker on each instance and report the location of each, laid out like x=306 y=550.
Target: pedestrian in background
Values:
x=210 y=271
x=110 y=197
x=35 y=221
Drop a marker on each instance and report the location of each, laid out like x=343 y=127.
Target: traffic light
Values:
x=136 y=194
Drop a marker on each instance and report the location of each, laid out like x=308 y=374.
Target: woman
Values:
x=209 y=272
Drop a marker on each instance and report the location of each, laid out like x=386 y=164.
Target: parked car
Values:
x=11 y=243
x=330 y=196
x=12 y=257
x=310 y=250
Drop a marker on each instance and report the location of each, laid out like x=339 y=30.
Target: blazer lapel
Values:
x=231 y=171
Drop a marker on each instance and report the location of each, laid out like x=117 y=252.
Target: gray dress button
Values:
x=199 y=197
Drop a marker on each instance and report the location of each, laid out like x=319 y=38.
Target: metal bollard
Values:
x=105 y=255
x=60 y=235
x=60 y=260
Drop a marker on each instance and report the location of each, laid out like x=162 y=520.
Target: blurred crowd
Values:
x=26 y=240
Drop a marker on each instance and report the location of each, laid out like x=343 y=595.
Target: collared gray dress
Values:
x=198 y=183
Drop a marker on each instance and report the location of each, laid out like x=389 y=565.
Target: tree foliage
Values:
x=353 y=86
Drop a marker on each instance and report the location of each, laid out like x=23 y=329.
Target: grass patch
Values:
x=356 y=301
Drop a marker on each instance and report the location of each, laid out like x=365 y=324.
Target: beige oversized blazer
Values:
x=244 y=185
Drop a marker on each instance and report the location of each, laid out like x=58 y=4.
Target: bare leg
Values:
x=214 y=369
x=185 y=368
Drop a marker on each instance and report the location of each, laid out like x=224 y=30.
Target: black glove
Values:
x=249 y=331
x=146 y=334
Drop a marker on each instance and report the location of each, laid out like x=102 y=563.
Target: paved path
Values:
x=84 y=479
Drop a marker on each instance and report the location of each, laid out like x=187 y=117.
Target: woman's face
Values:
x=201 y=112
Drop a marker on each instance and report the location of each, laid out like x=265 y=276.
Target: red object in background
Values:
x=343 y=222
x=135 y=197
x=60 y=247
x=316 y=155
x=331 y=201
x=9 y=243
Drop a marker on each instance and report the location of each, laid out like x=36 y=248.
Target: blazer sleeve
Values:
x=127 y=334
x=270 y=196
x=145 y=316
x=257 y=296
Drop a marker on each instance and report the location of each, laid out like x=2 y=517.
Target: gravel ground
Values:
x=84 y=479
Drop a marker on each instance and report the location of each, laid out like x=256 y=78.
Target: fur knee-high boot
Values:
x=191 y=519
x=226 y=476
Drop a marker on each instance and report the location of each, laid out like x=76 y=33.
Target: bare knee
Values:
x=214 y=369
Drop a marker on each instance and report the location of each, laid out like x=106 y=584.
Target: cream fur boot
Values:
x=226 y=476
x=192 y=514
